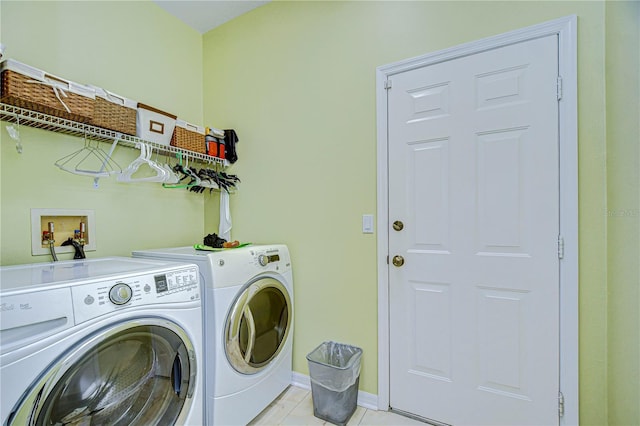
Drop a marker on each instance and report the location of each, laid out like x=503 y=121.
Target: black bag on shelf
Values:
x=230 y=141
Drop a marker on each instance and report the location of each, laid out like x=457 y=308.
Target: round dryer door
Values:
x=141 y=373
x=257 y=325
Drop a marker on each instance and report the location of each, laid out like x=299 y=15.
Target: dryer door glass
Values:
x=141 y=375
x=258 y=325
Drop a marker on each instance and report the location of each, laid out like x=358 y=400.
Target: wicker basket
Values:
x=30 y=88
x=189 y=136
x=114 y=112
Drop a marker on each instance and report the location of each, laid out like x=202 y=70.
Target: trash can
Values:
x=334 y=369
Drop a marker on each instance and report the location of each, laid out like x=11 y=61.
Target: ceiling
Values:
x=204 y=15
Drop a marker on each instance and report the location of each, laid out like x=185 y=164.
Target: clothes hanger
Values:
x=206 y=180
x=109 y=155
x=170 y=175
x=90 y=161
x=213 y=179
x=186 y=172
x=161 y=171
x=143 y=159
x=190 y=172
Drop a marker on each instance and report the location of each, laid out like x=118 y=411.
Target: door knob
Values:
x=397 y=225
x=398 y=260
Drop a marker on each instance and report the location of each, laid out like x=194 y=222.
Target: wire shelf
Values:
x=26 y=117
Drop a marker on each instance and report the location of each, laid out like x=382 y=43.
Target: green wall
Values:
x=299 y=82
x=135 y=49
x=623 y=210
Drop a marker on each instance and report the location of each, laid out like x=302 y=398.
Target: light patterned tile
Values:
x=276 y=412
x=303 y=414
x=374 y=418
x=272 y=415
x=293 y=394
x=357 y=416
x=294 y=407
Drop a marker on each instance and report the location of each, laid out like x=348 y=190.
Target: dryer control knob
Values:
x=263 y=260
x=120 y=294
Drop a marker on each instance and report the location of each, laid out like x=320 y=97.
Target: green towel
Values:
x=209 y=248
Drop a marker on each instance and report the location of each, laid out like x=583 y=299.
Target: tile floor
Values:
x=295 y=407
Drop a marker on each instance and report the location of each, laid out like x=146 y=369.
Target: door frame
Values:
x=566 y=30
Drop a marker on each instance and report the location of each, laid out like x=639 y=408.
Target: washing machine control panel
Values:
x=101 y=298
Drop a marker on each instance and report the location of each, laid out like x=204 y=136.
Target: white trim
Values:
x=301 y=380
x=566 y=29
x=569 y=283
x=365 y=399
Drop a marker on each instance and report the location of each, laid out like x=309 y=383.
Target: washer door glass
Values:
x=140 y=375
x=257 y=325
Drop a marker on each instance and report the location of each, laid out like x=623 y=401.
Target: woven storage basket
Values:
x=189 y=136
x=114 y=112
x=33 y=89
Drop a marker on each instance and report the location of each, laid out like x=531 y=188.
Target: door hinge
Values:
x=387 y=84
x=559 y=87
x=560 y=404
x=560 y=247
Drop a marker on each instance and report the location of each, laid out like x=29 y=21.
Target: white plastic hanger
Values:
x=143 y=159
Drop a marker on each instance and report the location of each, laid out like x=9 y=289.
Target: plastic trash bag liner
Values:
x=334 y=366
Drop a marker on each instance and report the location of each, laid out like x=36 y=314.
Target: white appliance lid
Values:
x=183 y=253
x=37 y=274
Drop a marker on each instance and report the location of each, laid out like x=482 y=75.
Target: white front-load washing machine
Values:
x=111 y=341
x=248 y=309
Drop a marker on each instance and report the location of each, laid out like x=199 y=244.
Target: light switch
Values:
x=367 y=224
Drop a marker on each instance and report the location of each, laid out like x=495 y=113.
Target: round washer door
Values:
x=257 y=325
x=139 y=373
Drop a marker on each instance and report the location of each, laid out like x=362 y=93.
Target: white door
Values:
x=473 y=177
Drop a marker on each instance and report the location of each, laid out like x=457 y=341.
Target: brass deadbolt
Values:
x=397 y=225
x=398 y=260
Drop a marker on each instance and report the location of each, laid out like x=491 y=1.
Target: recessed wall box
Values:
x=67 y=223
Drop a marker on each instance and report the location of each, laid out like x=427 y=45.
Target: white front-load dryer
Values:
x=248 y=310
x=114 y=341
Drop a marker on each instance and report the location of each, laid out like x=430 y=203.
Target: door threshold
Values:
x=418 y=418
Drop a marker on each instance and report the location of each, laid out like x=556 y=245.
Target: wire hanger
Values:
x=109 y=155
x=90 y=161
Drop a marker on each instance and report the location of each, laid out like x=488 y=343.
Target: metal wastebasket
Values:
x=334 y=369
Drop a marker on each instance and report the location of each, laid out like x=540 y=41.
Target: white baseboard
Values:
x=300 y=380
x=365 y=399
